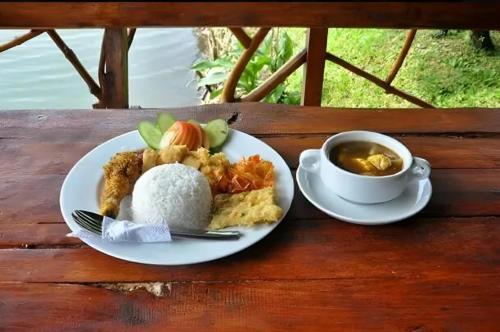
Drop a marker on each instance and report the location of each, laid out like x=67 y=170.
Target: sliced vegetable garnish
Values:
x=183 y=133
x=165 y=121
x=217 y=132
x=150 y=134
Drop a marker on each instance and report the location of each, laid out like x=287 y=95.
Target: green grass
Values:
x=447 y=72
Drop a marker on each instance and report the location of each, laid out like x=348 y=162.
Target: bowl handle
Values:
x=420 y=168
x=310 y=160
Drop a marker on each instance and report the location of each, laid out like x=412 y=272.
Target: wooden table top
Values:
x=439 y=270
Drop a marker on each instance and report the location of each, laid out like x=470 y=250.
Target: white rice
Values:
x=174 y=194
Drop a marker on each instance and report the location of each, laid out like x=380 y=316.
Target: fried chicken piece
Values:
x=149 y=157
x=172 y=154
x=197 y=159
x=120 y=174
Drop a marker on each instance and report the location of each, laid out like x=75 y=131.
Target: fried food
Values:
x=214 y=166
x=215 y=169
x=149 y=157
x=172 y=154
x=197 y=159
x=120 y=174
x=245 y=209
x=248 y=174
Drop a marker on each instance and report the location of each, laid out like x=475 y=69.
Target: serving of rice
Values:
x=174 y=194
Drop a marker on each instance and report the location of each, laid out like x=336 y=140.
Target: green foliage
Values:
x=275 y=50
x=447 y=71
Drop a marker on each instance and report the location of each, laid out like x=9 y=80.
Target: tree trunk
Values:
x=481 y=39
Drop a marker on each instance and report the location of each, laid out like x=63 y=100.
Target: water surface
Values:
x=36 y=75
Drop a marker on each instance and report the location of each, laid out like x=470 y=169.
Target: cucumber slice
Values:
x=217 y=131
x=150 y=134
x=165 y=121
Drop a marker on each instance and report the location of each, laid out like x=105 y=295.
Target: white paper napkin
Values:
x=127 y=231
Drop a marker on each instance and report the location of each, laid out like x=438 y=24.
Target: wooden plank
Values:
x=449 y=304
x=115 y=80
x=65 y=150
x=53 y=235
x=461 y=192
x=434 y=248
x=477 y=14
x=264 y=119
x=314 y=68
x=455 y=193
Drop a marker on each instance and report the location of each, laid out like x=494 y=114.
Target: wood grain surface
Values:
x=439 y=270
x=402 y=14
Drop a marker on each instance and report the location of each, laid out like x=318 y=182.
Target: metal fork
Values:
x=93 y=222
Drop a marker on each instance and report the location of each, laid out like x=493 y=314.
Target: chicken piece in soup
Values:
x=366 y=158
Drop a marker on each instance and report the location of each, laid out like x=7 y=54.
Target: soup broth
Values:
x=366 y=158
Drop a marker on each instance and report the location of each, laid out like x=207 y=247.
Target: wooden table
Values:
x=437 y=271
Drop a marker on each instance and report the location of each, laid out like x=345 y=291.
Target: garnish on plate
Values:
x=168 y=131
x=243 y=193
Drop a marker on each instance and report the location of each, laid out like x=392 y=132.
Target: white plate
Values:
x=80 y=191
x=411 y=201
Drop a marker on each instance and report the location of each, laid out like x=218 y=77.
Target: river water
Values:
x=36 y=75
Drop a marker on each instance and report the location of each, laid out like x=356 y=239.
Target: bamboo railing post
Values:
x=130 y=36
x=402 y=56
x=21 y=39
x=229 y=89
x=314 y=67
x=276 y=78
x=75 y=62
x=113 y=69
x=242 y=36
x=374 y=79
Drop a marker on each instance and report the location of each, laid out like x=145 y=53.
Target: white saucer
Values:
x=411 y=201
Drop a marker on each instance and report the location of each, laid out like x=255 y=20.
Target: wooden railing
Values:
x=121 y=19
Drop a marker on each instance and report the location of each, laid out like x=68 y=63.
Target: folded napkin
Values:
x=127 y=231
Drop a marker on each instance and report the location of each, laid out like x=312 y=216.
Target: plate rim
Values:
x=358 y=221
x=71 y=224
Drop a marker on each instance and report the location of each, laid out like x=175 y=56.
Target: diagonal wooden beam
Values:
x=73 y=59
x=377 y=81
x=130 y=36
x=402 y=56
x=242 y=36
x=276 y=78
x=230 y=85
x=20 y=40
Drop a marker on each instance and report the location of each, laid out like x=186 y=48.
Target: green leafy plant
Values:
x=275 y=50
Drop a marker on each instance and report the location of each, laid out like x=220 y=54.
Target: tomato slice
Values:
x=199 y=135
